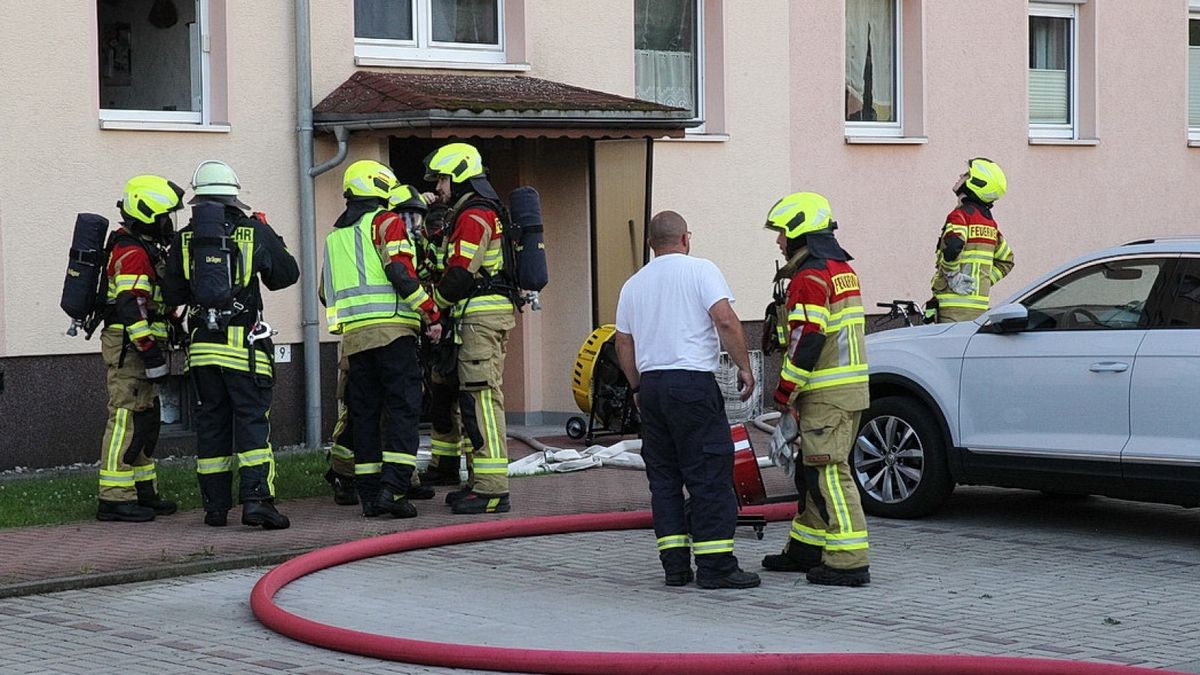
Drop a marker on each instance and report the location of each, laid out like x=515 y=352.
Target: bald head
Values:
x=667 y=230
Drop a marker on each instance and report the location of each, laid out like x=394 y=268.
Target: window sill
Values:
x=1194 y=142
x=131 y=125
x=699 y=138
x=1065 y=141
x=375 y=62
x=887 y=140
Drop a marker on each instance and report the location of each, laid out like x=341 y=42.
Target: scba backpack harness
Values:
x=524 y=272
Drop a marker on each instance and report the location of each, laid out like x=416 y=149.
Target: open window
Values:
x=455 y=31
x=154 y=64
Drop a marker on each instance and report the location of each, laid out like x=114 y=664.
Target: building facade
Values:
x=1091 y=107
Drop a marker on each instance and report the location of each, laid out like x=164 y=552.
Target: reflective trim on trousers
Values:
x=674 y=541
x=399 y=458
x=445 y=448
x=807 y=535
x=341 y=452
x=838 y=498
x=850 y=541
x=491 y=465
x=116 y=479
x=210 y=465
x=368 y=469
x=144 y=473
x=711 y=547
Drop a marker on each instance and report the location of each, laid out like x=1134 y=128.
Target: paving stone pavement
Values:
x=997 y=572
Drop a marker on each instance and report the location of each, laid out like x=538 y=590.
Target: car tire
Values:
x=899 y=459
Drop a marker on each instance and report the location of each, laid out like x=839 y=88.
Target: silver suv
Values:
x=1086 y=381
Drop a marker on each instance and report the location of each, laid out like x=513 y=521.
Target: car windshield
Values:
x=1107 y=295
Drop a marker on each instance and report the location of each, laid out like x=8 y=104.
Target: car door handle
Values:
x=1109 y=367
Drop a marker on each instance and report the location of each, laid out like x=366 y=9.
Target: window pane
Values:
x=871 y=61
x=1194 y=73
x=1049 y=70
x=148 y=60
x=383 y=19
x=1105 y=296
x=467 y=21
x=1184 y=310
x=665 y=58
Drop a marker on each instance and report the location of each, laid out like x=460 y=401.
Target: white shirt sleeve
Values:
x=712 y=285
x=624 y=312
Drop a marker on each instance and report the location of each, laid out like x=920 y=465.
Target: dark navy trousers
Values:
x=686 y=443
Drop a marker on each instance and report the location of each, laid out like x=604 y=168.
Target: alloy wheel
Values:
x=888 y=459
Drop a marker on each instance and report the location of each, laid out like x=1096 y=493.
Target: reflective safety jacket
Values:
x=476 y=245
x=261 y=254
x=823 y=299
x=972 y=246
x=356 y=286
x=134 y=297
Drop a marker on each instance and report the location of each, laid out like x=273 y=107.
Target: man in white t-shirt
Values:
x=672 y=318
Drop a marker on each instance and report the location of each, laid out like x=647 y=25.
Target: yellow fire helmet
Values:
x=406 y=197
x=800 y=213
x=368 y=178
x=460 y=161
x=147 y=197
x=985 y=180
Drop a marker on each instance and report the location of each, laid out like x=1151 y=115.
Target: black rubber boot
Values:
x=473 y=502
x=255 y=514
x=796 y=557
x=216 y=518
x=445 y=473
x=735 y=579
x=831 y=576
x=125 y=512
x=152 y=500
x=456 y=495
x=343 y=488
x=420 y=492
x=679 y=578
x=394 y=505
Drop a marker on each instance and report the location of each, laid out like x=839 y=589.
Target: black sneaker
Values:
x=255 y=514
x=397 y=507
x=420 y=492
x=125 y=512
x=344 y=493
x=216 y=518
x=735 y=579
x=679 y=578
x=831 y=576
x=473 y=502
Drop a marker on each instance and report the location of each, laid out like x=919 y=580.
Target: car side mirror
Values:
x=1012 y=318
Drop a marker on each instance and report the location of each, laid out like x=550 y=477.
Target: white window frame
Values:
x=203 y=117
x=1070 y=130
x=1193 y=15
x=699 y=64
x=424 y=48
x=884 y=129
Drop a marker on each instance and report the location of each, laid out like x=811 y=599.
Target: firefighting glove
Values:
x=156 y=364
x=961 y=283
x=782 y=450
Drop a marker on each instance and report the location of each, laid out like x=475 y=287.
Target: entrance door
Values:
x=619 y=170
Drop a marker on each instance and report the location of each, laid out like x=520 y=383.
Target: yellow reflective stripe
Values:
x=254 y=457
x=711 y=547
x=341 y=452
x=234 y=358
x=132 y=282
x=116 y=478
x=212 y=465
x=490 y=465
x=846 y=317
x=674 y=541
x=495 y=440
x=838 y=499
x=367 y=469
x=793 y=373
x=467 y=250
x=144 y=473
x=139 y=329
x=444 y=448
x=833 y=377
x=417 y=298
x=395 y=248
x=399 y=458
x=855 y=540
x=995 y=275
x=807 y=535
x=962 y=301
x=484 y=303
x=402 y=318
x=117 y=442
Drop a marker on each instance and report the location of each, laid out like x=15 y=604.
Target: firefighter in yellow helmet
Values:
x=376 y=303
x=972 y=254
x=134 y=344
x=482 y=312
x=823 y=384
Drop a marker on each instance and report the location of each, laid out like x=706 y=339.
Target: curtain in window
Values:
x=466 y=21
x=665 y=59
x=383 y=19
x=1049 y=70
x=871 y=60
x=1194 y=73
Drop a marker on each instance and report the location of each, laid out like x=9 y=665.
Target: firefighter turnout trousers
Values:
x=341 y=451
x=686 y=442
x=133 y=421
x=829 y=514
x=233 y=430
x=484 y=341
x=446 y=439
x=385 y=383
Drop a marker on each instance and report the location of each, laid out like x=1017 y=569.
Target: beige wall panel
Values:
x=582 y=42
